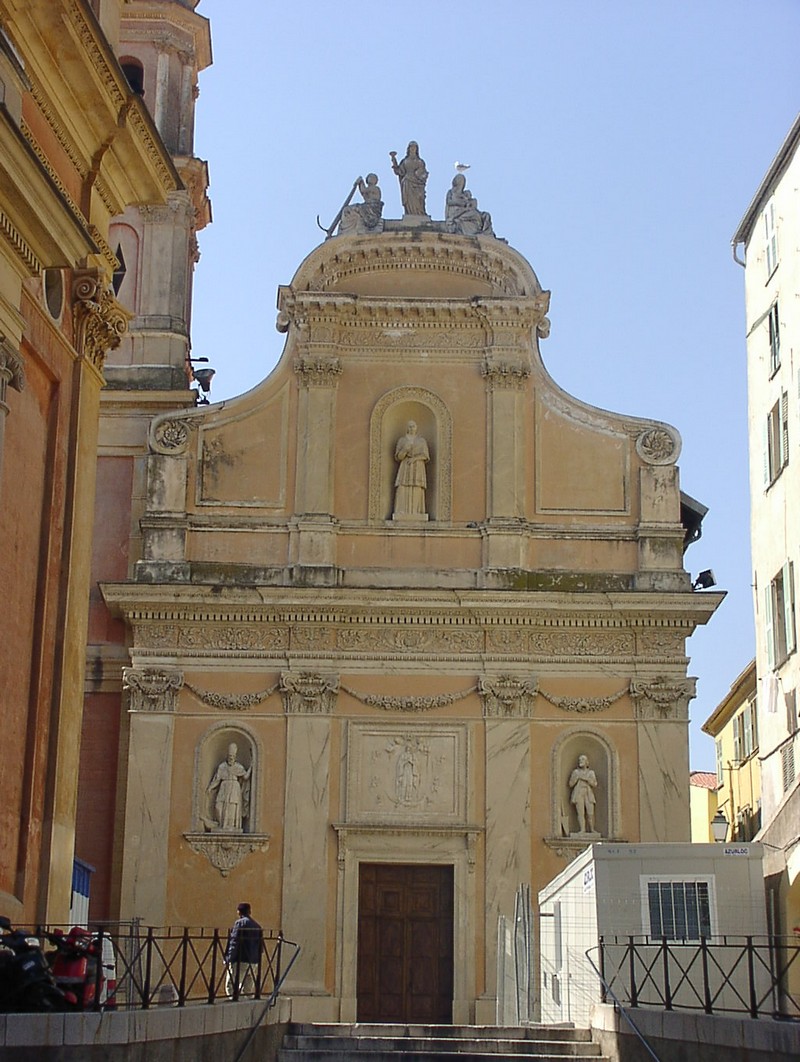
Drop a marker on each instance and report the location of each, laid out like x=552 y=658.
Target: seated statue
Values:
x=461 y=211
x=367 y=216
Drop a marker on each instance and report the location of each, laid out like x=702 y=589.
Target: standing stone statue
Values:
x=231 y=782
x=582 y=783
x=367 y=216
x=411 y=479
x=413 y=178
x=461 y=211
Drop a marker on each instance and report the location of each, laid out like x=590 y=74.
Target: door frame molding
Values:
x=454 y=846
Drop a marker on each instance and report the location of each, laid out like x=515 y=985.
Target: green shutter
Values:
x=768 y=634
x=788 y=607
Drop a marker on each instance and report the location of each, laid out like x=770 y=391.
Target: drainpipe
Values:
x=734 y=245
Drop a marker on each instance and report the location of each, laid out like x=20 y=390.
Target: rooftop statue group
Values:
x=461 y=216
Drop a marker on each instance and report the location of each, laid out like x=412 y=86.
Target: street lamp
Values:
x=719 y=827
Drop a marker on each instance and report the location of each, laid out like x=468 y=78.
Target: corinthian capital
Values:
x=100 y=321
x=12 y=371
x=507 y=697
x=152 y=689
x=307 y=693
x=318 y=371
x=662 y=698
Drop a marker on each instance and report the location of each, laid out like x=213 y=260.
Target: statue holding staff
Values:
x=413 y=177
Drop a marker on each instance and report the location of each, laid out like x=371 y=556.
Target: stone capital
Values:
x=307 y=693
x=318 y=371
x=12 y=370
x=662 y=698
x=152 y=689
x=100 y=321
x=505 y=374
x=507 y=697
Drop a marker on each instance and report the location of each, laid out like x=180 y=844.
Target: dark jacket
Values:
x=244 y=942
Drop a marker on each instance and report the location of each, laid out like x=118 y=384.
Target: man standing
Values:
x=242 y=956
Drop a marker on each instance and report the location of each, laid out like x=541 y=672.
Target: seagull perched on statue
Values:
x=462 y=167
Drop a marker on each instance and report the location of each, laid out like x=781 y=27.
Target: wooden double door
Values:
x=405 y=943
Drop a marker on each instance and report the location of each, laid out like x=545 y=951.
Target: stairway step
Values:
x=450 y=1044
x=560 y=1033
x=431 y=1055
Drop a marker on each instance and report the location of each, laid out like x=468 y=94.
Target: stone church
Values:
x=408 y=628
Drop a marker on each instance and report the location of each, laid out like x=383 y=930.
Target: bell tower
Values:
x=163 y=45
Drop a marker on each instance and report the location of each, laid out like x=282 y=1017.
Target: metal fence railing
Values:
x=144 y=967
x=755 y=976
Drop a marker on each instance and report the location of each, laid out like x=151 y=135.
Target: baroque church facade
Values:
x=395 y=634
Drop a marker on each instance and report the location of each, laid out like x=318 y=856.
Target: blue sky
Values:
x=616 y=143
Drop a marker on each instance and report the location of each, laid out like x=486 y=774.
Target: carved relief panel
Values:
x=408 y=774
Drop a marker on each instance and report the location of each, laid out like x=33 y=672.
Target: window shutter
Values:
x=765 y=445
x=737 y=740
x=768 y=626
x=788 y=607
x=784 y=430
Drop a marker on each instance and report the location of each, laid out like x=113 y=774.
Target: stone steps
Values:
x=433 y=1043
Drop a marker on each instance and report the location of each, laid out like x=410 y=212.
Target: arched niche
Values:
x=388 y=423
x=124 y=241
x=212 y=750
x=603 y=760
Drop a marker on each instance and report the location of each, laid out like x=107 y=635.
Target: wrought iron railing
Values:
x=175 y=966
x=756 y=976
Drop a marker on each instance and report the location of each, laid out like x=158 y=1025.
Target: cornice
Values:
x=140 y=21
x=19 y=245
x=454 y=609
x=486 y=262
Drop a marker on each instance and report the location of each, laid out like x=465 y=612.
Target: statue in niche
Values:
x=461 y=211
x=582 y=784
x=411 y=479
x=366 y=216
x=413 y=177
x=230 y=788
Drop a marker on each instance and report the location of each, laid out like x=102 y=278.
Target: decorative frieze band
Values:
x=152 y=689
x=583 y=705
x=230 y=702
x=408 y=704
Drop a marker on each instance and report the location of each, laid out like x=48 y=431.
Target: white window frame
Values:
x=774 y=329
x=771 y=238
x=709 y=880
x=780 y=625
x=776 y=440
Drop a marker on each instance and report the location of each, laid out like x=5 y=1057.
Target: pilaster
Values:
x=153 y=694
x=308 y=701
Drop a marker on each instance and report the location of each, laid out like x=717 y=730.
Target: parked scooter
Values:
x=78 y=969
x=26 y=982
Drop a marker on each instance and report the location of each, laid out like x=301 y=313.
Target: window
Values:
x=771 y=237
x=678 y=910
x=134 y=72
x=120 y=271
x=779 y=616
x=745 y=733
x=774 y=339
x=776 y=443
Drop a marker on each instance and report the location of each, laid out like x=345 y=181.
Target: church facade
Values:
x=408 y=630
